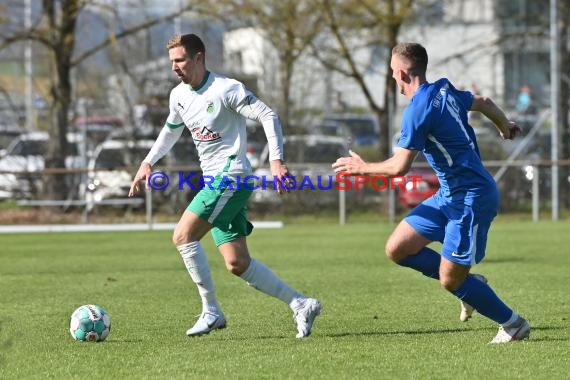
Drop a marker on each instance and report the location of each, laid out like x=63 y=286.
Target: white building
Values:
x=314 y=87
x=465 y=41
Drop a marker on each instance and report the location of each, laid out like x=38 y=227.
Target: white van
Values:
x=111 y=168
x=24 y=157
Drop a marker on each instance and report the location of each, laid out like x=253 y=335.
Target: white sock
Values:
x=197 y=265
x=263 y=279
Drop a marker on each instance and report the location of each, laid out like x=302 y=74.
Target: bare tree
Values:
x=55 y=30
x=372 y=24
x=289 y=26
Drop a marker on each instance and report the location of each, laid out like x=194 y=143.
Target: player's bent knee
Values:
x=180 y=239
x=237 y=265
x=391 y=255
x=393 y=251
x=449 y=283
x=445 y=284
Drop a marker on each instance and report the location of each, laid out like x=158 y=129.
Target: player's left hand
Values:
x=284 y=179
x=352 y=165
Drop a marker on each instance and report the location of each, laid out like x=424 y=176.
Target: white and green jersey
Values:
x=215 y=113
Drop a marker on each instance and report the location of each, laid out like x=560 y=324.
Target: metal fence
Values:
x=525 y=186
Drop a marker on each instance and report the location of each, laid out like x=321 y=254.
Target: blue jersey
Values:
x=435 y=122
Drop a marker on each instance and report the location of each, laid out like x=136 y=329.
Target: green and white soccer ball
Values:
x=90 y=323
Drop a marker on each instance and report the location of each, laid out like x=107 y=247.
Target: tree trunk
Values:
x=56 y=186
x=63 y=41
x=389 y=118
x=390 y=88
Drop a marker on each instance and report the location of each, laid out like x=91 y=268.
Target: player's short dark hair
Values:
x=190 y=42
x=415 y=53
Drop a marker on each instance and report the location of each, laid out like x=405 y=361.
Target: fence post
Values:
x=148 y=204
x=535 y=194
x=85 y=214
x=342 y=207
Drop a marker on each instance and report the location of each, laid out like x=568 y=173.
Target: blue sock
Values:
x=483 y=299
x=426 y=261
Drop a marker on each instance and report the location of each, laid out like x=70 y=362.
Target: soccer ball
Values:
x=90 y=323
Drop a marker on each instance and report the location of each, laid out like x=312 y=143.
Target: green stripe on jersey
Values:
x=174 y=126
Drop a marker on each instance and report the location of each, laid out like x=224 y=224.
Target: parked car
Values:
x=97 y=128
x=8 y=132
x=421 y=183
x=309 y=158
x=114 y=162
x=24 y=158
x=332 y=128
x=110 y=169
x=358 y=129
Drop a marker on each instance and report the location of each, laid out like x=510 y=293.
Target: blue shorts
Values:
x=462 y=228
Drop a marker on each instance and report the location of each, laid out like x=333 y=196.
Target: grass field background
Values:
x=379 y=320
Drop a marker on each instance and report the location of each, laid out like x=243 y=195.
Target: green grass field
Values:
x=379 y=321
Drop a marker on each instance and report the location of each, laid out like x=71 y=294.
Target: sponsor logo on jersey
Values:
x=204 y=134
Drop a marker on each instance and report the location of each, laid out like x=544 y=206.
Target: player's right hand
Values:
x=142 y=174
x=280 y=171
x=512 y=131
x=352 y=164
x=515 y=131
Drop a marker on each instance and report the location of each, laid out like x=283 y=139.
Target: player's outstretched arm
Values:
x=508 y=129
x=398 y=164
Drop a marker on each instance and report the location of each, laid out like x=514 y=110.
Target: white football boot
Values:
x=207 y=322
x=466 y=309
x=518 y=330
x=305 y=315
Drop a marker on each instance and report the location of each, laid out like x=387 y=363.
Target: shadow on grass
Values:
x=423 y=332
x=220 y=336
x=442 y=331
x=403 y=332
x=556 y=338
x=354 y=334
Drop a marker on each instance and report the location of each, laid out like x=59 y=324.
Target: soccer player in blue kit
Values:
x=459 y=215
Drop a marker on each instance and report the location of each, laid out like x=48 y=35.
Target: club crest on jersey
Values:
x=205 y=134
x=210 y=108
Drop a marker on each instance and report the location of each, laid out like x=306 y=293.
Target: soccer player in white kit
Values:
x=214 y=108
